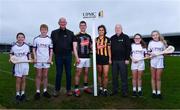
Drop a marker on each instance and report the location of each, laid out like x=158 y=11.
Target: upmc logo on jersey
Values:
x=100 y=14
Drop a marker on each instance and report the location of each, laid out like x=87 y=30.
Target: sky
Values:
x=135 y=16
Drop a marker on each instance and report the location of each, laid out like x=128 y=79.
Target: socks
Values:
x=17 y=93
x=158 y=92
x=134 y=89
x=38 y=91
x=154 y=91
x=139 y=89
x=76 y=87
x=45 y=89
x=85 y=85
x=22 y=93
x=105 y=89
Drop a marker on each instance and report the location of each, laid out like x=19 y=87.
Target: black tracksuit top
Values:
x=120 y=47
x=62 y=42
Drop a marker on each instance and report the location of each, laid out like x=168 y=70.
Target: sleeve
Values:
x=128 y=48
x=11 y=51
x=34 y=43
x=108 y=42
x=145 y=51
x=75 y=39
x=149 y=47
x=90 y=40
x=29 y=49
x=51 y=44
x=164 y=47
x=131 y=50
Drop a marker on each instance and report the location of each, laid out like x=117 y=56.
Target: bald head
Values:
x=118 y=29
x=62 y=23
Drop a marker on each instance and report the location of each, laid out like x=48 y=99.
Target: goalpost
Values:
x=93 y=16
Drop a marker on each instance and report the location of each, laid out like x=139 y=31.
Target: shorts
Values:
x=140 y=65
x=41 y=65
x=84 y=62
x=102 y=60
x=157 y=62
x=21 y=69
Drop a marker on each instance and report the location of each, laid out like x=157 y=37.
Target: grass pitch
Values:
x=170 y=90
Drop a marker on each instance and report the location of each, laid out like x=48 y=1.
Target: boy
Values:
x=42 y=51
x=82 y=45
x=20 y=50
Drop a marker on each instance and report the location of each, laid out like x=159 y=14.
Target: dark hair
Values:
x=102 y=26
x=82 y=22
x=44 y=26
x=20 y=33
x=143 y=44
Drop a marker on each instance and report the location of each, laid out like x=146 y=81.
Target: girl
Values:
x=158 y=44
x=103 y=58
x=137 y=67
x=20 y=49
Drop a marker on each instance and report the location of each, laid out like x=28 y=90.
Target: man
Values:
x=121 y=47
x=82 y=46
x=62 y=39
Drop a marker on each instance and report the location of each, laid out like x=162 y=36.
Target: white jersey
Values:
x=156 y=47
x=20 y=51
x=43 y=46
x=137 y=51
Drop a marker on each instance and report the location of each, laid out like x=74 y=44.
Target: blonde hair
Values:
x=161 y=38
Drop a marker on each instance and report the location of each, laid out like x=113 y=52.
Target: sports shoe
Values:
x=88 y=90
x=69 y=93
x=140 y=93
x=56 y=93
x=77 y=93
x=159 y=96
x=18 y=98
x=153 y=95
x=100 y=92
x=124 y=94
x=23 y=97
x=46 y=94
x=114 y=93
x=37 y=96
x=134 y=94
x=106 y=93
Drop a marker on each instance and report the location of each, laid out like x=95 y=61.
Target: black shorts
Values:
x=102 y=60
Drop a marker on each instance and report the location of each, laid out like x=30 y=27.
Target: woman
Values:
x=103 y=58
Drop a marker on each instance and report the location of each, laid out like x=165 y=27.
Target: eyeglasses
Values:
x=137 y=38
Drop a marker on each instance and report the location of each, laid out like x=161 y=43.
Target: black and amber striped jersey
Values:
x=102 y=46
x=84 y=44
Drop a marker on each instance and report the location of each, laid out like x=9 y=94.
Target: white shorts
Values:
x=157 y=62
x=21 y=69
x=41 y=65
x=138 y=66
x=84 y=62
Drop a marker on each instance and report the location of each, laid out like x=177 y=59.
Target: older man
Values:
x=120 y=47
x=62 y=39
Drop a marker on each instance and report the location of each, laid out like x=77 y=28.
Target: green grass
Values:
x=170 y=90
